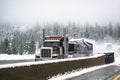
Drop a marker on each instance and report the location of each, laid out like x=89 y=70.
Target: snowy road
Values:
x=107 y=73
x=15 y=61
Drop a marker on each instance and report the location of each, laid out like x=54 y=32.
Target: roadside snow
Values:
x=16 y=57
x=117 y=60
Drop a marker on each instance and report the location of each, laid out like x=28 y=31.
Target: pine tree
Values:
x=4 y=46
x=14 y=46
x=31 y=46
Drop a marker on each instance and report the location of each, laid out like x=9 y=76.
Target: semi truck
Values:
x=54 y=47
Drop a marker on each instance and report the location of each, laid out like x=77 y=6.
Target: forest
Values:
x=15 y=40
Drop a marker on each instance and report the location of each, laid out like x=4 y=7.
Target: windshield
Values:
x=50 y=44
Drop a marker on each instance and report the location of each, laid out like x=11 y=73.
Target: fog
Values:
x=81 y=11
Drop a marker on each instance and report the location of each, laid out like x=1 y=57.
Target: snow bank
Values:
x=45 y=62
x=16 y=57
x=117 y=61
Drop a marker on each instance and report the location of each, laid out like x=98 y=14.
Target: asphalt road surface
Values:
x=15 y=61
x=107 y=73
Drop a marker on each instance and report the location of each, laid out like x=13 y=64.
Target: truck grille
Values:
x=46 y=53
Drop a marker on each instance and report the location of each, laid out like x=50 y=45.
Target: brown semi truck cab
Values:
x=53 y=47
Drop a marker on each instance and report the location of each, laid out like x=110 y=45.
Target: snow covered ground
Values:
x=16 y=57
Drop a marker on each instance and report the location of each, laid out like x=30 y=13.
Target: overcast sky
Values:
x=32 y=11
